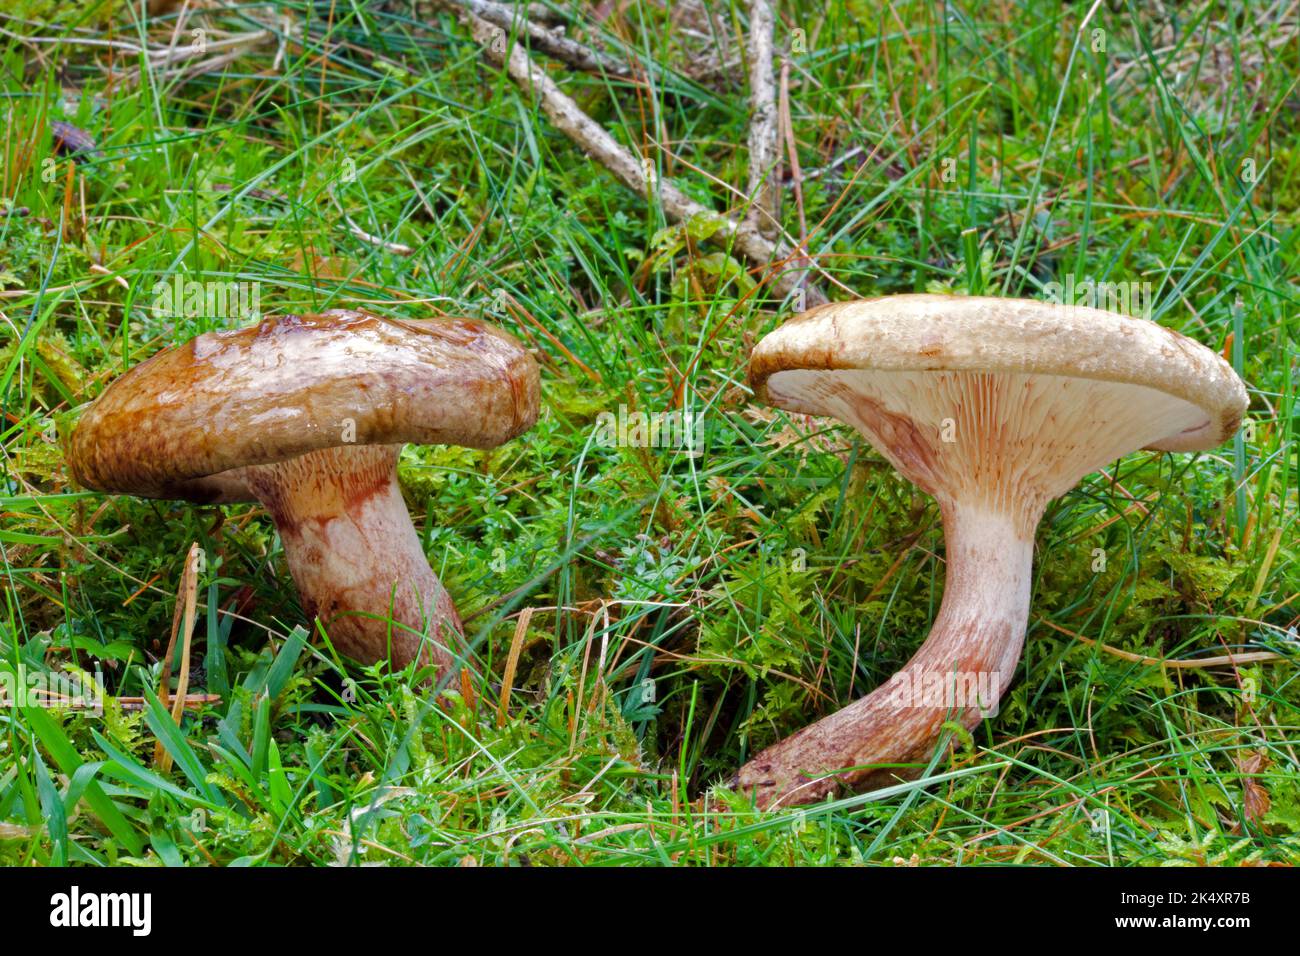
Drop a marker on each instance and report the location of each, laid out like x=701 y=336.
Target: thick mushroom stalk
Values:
x=355 y=556
x=958 y=674
x=307 y=414
x=993 y=407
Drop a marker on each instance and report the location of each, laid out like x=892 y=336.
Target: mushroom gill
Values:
x=994 y=407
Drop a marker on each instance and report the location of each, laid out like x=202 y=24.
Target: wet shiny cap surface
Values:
x=171 y=426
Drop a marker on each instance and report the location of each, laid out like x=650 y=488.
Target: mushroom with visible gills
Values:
x=307 y=414
x=994 y=407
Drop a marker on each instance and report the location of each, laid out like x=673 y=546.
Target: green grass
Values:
x=775 y=577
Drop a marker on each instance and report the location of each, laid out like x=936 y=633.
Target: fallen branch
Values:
x=764 y=155
x=541 y=13
x=1197 y=663
x=182 y=626
x=552 y=43
x=397 y=248
x=189 y=702
x=637 y=175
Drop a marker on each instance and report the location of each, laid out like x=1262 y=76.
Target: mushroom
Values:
x=307 y=414
x=994 y=407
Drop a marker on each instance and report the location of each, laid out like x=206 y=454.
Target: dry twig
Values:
x=552 y=43
x=764 y=155
x=637 y=175
x=182 y=627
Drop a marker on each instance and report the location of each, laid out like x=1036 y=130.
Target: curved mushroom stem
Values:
x=355 y=557
x=959 y=673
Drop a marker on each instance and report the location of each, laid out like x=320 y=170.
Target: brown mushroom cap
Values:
x=181 y=423
x=940 y=333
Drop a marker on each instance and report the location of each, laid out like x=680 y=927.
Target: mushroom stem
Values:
x=959 y=673
x=355 y=556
